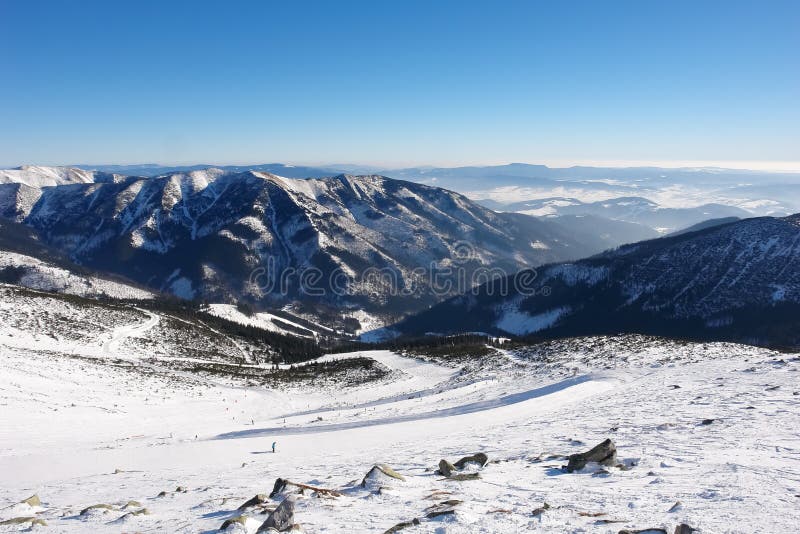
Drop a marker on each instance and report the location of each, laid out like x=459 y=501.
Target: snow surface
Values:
x=38 y=274
x=38 y=176
x=92 y=419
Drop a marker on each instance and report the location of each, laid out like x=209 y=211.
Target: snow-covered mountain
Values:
x=735 y=281
x=38 y=176
x=221 y=235
x=637 y=210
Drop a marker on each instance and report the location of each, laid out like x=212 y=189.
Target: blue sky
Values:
x=400 y=83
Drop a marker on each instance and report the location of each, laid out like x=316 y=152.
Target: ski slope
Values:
x=81 y=431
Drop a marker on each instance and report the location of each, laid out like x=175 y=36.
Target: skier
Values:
x=273 y=446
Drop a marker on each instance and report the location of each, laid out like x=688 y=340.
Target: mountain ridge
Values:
x=735 y=281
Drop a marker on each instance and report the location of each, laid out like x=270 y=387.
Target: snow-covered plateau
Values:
x=116 y=426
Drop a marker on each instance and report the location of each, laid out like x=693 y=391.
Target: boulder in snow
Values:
x=446 y=468
x=604 y=453
x=379 y=475
x=478 y=458
x=281 y=519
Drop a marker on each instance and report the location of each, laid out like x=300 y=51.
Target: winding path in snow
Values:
x=120 y=333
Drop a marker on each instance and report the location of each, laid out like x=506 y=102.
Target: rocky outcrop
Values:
x=285 y=487
x=478 y=458
x=379 y=475
x=400 y=526
x=449 y=470
x=446 y=468
x=604 y=453
x=254 y=501
x=282 y=519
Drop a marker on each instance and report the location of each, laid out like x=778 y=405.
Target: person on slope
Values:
x=273 y=446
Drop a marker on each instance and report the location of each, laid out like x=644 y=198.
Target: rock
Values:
x=400 y=526
x=644 y=531
x=675 y=507
x=18 y=520
x=282 y=518
x=240 y=520
x=180 y=489
x=443 y=506
x=132 y=504
x=707 y=421
x=96 y=507
x=33 y=500
x=258 y=499
x=379 y=471
x=478 y=458
x=278 y=487
x=439 y=513
x=604 y=453
x=142 y=511
x=446 y=468
x=460 y=477
x=284 y=486
x=683 y=528
x=542 y=509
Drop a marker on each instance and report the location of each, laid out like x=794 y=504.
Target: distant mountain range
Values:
x=736 y=281
x=228 y=236
x=663 y=199
x=630 y=209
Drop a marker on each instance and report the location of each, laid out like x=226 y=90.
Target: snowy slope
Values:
x=38 y=176
x=128 y=430
x=34 y=273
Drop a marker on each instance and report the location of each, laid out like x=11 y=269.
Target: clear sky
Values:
x=400 y=82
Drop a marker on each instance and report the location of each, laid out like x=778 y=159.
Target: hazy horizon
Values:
x=759 y=166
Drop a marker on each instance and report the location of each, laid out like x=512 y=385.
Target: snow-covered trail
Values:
x=119 y=334
x=412 y=377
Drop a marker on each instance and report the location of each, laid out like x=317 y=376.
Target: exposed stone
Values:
x=378 y=470
x=278 y=487
x=96 y=507
x=477 y=458
x=542 y=509
x=283 y=485
x=604 y=453
x=33 y=500
x=240 y=520
x=282 y=518
x=683 y=528
x=644 y=531
x=446 y=468
x=439 y=513
x=460 y=477
x=258 y=499
x=706 y=421
x=17 y=520
x=400 y=526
